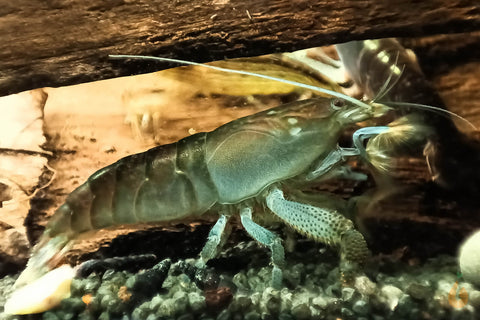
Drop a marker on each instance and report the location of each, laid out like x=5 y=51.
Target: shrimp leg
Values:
x=324 y=225
x=215 y=239
x=332 y=160
x=268 y=239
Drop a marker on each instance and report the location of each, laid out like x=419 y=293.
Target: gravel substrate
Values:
x=389 y=289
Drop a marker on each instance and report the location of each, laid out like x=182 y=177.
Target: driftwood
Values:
x=64 y=42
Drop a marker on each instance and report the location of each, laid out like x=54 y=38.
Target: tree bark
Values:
x=64 y=42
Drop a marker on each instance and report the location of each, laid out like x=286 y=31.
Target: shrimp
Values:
x=243 y=168
x=247 y=169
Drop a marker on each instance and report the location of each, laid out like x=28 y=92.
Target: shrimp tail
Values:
x=42 y=285
x=57 y=239
x=46 y=255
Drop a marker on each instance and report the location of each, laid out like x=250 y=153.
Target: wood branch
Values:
x=63 y=42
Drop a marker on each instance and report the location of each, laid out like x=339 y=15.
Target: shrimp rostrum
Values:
x=240 y=169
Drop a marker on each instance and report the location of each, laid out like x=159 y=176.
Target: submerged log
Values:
x=64 y=42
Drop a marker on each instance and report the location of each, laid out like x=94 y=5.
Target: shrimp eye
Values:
x=337 y=104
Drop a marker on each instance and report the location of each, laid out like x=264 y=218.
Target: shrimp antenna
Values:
x=294 y=83
x=432 y=108
x=387 y=86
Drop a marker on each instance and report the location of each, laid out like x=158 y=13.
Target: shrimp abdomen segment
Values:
x=178 y=183
x=165 y=183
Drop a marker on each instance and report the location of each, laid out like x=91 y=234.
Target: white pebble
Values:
x=365 y=286
x=390 y=295
x=469 y=258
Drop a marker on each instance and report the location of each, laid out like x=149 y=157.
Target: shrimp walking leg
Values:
x=332 y=160
x=324 y=225
x=215 y=237
x=269 y=239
